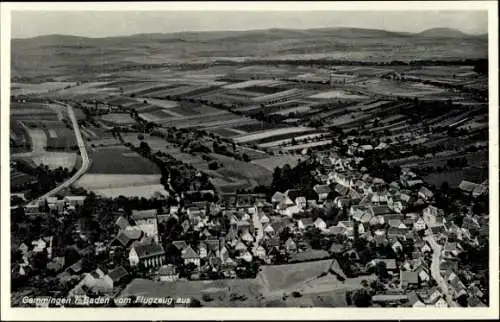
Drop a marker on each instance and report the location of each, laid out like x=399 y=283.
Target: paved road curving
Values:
x=436 y=269
x=83 y=154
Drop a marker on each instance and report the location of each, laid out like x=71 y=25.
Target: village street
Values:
x=436 y=270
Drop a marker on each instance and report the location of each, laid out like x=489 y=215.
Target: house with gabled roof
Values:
x=335 y=230
x=179 y=244
x=425 y=194
x=148 y=254
x=147 y=221
x=337 y=270
x=322 y=191
x=291 y=210
x=264 y=219
x=269 y=230
x=117 y=274
x=190 y=256
x=390 y=264
x=301 y=202
x=202 y=249
x=122 y=222
x=126 y=237
x=419 y=224
x=259 y=252
x=303 y=223
x=408 y=280
x=246 y=256
x=397 y=247
x=247 y=236
x=168 y=273
x=320 y=223
x=278 y=197
x=452 y=249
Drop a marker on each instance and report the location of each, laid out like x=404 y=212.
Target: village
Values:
x=393 y=233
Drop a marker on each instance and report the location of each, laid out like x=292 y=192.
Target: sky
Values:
x=26 y=24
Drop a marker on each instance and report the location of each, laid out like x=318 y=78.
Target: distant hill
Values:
x=63 y=54
x=443 y=33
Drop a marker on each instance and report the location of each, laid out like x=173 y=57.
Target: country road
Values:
x=436 y=269
x=83 y=154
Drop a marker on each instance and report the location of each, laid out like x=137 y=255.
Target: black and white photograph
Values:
x=336 y=158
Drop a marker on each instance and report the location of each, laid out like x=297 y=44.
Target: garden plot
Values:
x=270 y=133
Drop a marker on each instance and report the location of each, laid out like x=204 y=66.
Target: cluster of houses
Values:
x=380 y=211
x=244 y=229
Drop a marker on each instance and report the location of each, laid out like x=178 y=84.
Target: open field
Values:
x=160 y=103
x=154 y=142
x=326 y=291
x=89 y=88
x=306 y=145
x=243 y=170
x=107 y=181
x=287 y=139
x=219 y=291
x=20 y=140
x=27 y=89
x=340 y=94
x=283 y=277
x=60 y=138
x=270 y=133
x=253 y=83
x=405 y=89
x=57 y=159
x=118 y=118
x=128 y=185
x=18 y=179
x=118 y=160
x=258 y=126
x=271 y=163
x=141 y=191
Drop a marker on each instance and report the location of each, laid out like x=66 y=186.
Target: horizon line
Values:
x=249 y=30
